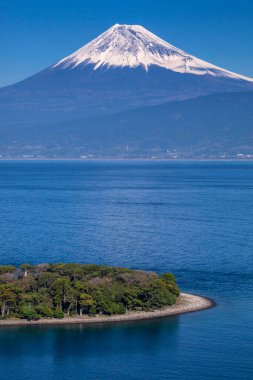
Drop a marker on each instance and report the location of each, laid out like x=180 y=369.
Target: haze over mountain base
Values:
x=213 y=126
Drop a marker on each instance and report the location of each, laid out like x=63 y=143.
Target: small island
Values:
x=88 y=293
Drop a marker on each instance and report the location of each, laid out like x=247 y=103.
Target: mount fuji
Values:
x=125 y=68
x=133 y=46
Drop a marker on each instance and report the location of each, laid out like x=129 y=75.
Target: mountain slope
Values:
x=125 y=68
x=211 y=125
x=133 y=46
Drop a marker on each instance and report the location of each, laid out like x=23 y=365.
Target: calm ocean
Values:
x=192 y=218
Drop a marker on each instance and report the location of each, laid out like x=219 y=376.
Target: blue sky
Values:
x=35 y=33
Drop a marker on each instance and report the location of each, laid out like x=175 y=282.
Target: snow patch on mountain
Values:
x=133 y=46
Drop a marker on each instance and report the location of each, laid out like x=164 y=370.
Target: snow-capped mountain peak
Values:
x=133 y=46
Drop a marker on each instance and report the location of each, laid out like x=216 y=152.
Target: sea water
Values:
x=191 y=218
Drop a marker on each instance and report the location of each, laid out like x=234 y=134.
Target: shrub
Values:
x=29 y=313
x=57 y=313
x=44 y=311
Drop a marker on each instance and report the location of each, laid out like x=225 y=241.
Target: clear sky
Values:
x=36 y=33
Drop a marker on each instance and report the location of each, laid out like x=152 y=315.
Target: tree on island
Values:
x=58 y=290
x=26 y=268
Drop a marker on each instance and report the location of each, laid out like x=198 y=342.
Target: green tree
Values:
x=7 y=269
x=86 y=303
x=26 y=268
x=8 y=300
x=50 y=290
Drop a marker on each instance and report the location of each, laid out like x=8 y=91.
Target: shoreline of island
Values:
x=186 y=303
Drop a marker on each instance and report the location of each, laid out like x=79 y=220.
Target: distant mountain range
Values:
x=128 y=93
x=213 y=125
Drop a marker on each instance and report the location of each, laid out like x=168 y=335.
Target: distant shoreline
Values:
x=186 y=303
x=218 y=159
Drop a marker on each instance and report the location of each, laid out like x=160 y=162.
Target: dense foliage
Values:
x=58 y=290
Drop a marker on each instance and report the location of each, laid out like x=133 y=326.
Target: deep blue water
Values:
x=192 y=218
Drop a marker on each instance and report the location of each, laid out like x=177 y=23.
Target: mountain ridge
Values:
x=210 y=126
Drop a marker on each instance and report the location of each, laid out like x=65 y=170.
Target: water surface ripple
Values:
x=193 y=218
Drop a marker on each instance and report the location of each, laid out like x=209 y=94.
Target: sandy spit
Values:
x=186 y=303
